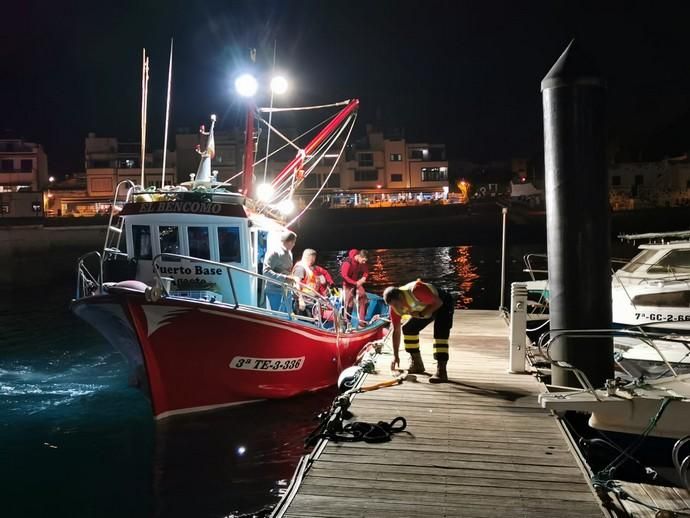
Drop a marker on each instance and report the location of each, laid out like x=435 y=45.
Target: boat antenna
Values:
x=167 y=115
x=270 y=114
x=144 y=101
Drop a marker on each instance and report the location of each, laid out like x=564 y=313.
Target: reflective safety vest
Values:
x=411 y=305
x=310 y=282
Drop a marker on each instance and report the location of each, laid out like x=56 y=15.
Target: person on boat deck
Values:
x=303 y=272
x=354 y=272
x=324 y=280
x=278 y=266
x=425 y=304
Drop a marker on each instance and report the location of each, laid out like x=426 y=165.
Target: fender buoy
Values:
x=348 y=378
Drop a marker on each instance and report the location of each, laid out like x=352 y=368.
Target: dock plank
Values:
x=477 y=447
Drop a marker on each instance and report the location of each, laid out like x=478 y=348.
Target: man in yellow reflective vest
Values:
x=425 y=304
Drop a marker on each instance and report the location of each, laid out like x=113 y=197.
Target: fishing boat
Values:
x=179 y=289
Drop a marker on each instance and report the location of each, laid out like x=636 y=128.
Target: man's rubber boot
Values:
x=441 y=375
x=416 y=363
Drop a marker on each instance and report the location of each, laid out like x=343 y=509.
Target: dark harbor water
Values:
x=77 y=441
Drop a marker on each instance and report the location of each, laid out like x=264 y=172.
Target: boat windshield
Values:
x=676 y=261
x=640 y=260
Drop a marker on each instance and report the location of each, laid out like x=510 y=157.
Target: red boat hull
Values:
x=199 y=355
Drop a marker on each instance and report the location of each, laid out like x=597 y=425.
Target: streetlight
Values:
x=51 y=179
x=279 y=85
x=246 y=85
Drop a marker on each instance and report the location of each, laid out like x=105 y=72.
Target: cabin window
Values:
x=170 y=241
x=672 y=299
x=199 y=245
x=141 y=237
x=677 y=261
x=229 y=245
x=640 y=260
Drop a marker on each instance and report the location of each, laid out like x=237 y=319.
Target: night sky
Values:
x=462 y=72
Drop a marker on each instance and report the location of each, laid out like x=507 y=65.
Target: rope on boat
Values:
x=302 y=108
x=603 y=480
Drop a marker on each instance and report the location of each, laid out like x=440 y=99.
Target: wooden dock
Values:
x=479 y=446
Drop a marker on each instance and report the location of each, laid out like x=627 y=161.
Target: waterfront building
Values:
x=664 y=183
x=23 y=173
x=382 y=170
x=23 y=166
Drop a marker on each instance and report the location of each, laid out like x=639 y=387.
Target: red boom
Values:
x=318 y=139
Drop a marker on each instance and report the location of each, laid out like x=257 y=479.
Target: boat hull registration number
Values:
x=267 y=364
x=660 y=317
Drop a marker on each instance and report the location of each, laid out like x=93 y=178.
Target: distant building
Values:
x=665 y=183
x=23 y=166
x=23 y=173
x=108 y=162
x=380 y=168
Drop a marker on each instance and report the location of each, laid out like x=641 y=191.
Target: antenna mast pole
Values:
x=167 y=115
x=144 y=102
x=270 y=115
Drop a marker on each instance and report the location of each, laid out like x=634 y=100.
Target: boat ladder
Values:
x=113 y=235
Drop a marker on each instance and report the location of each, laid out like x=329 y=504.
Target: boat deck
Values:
x=479 y=446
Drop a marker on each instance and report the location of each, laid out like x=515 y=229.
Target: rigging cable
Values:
x=325 y=182
x=323 y=122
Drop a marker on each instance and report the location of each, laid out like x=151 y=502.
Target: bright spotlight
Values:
x=246 y=85
x=264 y=192
x=51 y=179
x=279 y=85
x=286 y=207
x=241 y=450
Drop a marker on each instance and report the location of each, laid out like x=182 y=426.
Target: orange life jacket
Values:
x=309 y=284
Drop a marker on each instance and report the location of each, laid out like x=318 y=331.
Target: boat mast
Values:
x=144 y=101
x=248 y=179
x=270 y=114
x=167 y=115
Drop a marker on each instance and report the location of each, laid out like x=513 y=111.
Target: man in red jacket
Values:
x=355 y=271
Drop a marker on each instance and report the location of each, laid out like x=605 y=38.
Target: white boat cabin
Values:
x=219 y=231
x=657 y=261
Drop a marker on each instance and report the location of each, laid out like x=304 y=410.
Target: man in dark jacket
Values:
x=354 y=272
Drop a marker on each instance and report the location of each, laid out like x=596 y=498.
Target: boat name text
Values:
x=193 y=207
x=186 y=270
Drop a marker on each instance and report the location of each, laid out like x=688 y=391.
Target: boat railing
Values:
x=529 y=268
x=647 y=338
x=113 y=234
x=87 y=282
x=294 y=289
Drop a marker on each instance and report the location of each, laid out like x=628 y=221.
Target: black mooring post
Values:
x=577 y=214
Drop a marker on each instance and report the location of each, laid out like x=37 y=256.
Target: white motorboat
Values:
x=658 y=407
x=633 y=408
x=653 y=289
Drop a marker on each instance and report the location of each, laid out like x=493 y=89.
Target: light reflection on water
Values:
x=472 y=273
x=77 y=440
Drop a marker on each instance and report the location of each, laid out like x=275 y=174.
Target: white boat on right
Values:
x=650 y=292
x=653 y=288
